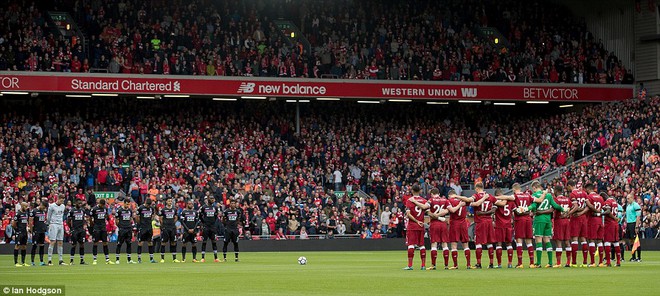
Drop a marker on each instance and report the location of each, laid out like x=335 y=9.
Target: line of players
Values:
x=584 y=218
x=79 y=219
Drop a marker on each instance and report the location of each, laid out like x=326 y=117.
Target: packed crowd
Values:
x=286 y=182
x=631 y=166
x=397 y=40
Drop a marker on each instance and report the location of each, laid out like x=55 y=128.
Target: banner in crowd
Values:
x=69 y=83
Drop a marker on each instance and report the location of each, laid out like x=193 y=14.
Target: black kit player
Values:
x=77 y=217
x=145 y=214
x=99 y=217
x=39 y=227
x=168 y=220
x=189 y=221
x=208 y=214
x=124 y=221
x=232 y=218
x=20 y=225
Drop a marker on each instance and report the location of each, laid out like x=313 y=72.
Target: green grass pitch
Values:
x=328 y=273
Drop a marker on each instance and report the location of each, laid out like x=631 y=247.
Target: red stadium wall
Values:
x=66 y=83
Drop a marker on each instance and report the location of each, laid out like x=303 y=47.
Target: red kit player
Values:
x=416 y=206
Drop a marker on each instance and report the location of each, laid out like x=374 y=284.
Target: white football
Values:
x=302 y=260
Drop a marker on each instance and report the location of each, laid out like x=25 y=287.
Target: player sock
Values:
x=151 y=252
x=194 y=251
x=95 y=251
x=445 y=256
x=539 y=252
x=422 y=255
x=60 y=251
x=24 y=253
x=82 y=251
x=434 y=256
x=639 y=253
x=558 y=253
x=574 y=248
x=569 y=254
x=162 y=252
x=33 y=252
x=15 y=256
x=491 y=253
x=117 y=250
x=467 y=255
x=204 y=249
x=592 y=253
x=139 y=251
x=530 y=252
x=50 y=253
x=73 y=252
x=617 y=250
x=548 y=248
x=41 y=253
x=585 y=252
x=477 y=254
x=236 y=255
x=601 y=253
x=454 y=257
x=106 y=252
x=519 y=252
x=215 y=249
x=411 y=255
x=498 y=251
x=183 y=252
x=608 y=251
x=173 y=251
x=509 y=253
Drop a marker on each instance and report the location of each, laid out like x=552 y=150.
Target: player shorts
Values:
x=146 y=235
x=523 y=229
x=232 y=236
x=78 y=236
x=168 y=235
x=579 y=226
x=611 y=234
x=542 y=228
x=38 y=238
x=56 y=232
x=209 y=233
x=561 y=229
x=21 y=238
x=439 y=233
x=503 y=235
x=595 y=228
x=125 y=235
x=189 y=237
x=458 y=232
x=631 y=232
x=484 y=233
x=100 y=236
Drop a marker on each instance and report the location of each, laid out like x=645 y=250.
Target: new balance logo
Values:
x=246 y=88
x=469 y=92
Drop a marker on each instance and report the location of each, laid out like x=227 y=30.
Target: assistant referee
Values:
x=633 y=220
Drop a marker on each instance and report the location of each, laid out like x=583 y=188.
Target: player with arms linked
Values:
x=415 y=208
x=232 y=218
x=438 y=230
x=522 y=224
x=543 y=205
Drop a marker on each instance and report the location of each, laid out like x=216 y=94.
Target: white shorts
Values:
x=56 y=232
